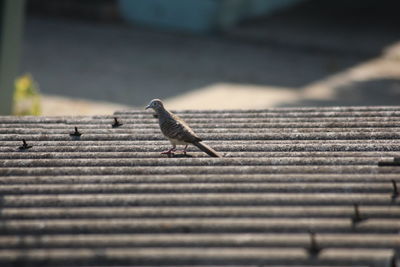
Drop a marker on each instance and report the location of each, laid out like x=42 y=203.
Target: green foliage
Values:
x=26 y=96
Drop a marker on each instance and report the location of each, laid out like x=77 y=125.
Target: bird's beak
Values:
x=147 y=107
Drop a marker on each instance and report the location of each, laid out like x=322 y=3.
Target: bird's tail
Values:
x=207 y=149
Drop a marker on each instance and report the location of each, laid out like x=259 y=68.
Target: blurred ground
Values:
x=310 y=55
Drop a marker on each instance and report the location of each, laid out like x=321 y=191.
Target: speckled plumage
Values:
x=177 y=130
x=173 y=127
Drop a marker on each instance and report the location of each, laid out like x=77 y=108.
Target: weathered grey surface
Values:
x=109 y=198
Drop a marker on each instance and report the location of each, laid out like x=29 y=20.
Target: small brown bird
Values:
x=177 y=131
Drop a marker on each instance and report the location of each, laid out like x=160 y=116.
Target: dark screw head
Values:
x=313 y=249
x=356 y=216
x=395 y=193
x=116 y=123
x=24 y=145
x=395 y=162
x=76 y=133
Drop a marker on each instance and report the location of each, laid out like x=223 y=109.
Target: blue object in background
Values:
x=196 y=15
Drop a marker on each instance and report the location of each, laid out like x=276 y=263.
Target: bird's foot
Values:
x=184 y=150
x=169 y=152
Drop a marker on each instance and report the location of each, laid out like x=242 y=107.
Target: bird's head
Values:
x=155 y=104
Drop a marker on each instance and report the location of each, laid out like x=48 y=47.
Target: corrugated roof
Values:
x=296 y=186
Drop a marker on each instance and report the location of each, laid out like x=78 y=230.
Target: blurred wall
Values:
x=104 y=10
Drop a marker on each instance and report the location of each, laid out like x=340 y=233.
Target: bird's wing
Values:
x=176 y=128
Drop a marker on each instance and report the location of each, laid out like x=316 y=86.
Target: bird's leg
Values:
x=169 y=151
x=184 y=150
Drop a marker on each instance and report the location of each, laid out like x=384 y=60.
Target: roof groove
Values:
x=109 y=197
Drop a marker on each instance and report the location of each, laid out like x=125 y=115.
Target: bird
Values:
x=177 y=130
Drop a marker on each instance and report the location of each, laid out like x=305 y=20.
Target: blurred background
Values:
x=83 y=57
